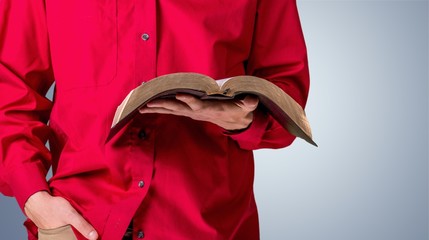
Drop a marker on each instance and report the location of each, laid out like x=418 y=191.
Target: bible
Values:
x=274 y=100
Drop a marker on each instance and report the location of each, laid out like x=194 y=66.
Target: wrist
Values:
x=238 y=125
x=35 y=198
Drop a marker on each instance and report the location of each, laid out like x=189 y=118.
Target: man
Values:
x=183 y=169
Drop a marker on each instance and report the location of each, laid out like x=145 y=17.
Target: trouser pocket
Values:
x=61 y=233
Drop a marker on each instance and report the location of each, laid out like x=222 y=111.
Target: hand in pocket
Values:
x=51 y=213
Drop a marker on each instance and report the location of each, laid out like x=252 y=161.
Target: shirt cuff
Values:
x=250 y=138
x=26 y=180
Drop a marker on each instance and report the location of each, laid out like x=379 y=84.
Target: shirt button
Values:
x=140 y=234
x=142 y=134
x=141 y=184
x=145 y=36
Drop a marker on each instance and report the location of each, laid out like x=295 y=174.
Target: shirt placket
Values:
x=146 y=37
x=141 y=138
x=146 y=46
x=142 y=153
x=141 y=156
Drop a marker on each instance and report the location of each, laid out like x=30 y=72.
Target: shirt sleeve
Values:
x=25 y=77
x=279 y=55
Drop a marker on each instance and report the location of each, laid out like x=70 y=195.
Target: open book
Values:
x=277 y=103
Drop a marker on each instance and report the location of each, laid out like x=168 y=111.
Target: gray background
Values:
x=369 y=112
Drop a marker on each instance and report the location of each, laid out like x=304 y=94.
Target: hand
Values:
x=228 y=114
x=49 y=212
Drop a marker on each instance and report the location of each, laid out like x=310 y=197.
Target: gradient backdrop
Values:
x=368 y=107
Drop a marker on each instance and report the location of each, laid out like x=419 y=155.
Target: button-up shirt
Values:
x=174 y=177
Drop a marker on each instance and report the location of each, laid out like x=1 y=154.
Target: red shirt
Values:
x=175 y=177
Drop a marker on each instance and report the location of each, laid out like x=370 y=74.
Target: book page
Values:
x=220 y=82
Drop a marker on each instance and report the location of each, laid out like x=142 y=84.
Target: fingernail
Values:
x=92 y=235
x=183 y=97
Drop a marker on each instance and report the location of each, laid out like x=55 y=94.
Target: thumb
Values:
x=250 y=102
x=82 y=226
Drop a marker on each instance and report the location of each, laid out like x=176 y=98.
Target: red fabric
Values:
x=198 y=179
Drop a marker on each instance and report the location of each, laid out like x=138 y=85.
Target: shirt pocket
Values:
x=83 y=39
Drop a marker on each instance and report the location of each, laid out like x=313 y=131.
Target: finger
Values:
x=170 y=104
x=156 y=110
x=193 y=102
x=82 y=226
x=249 y=103
x=161 y=110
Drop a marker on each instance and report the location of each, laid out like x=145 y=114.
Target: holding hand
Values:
x=229 y=114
